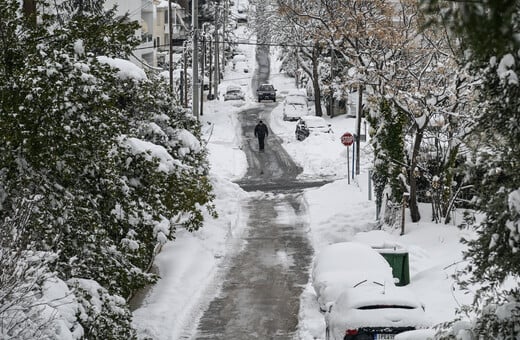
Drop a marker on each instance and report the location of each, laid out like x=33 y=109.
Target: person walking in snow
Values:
x=261 y=132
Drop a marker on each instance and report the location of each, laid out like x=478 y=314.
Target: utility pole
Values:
x=216 y=55
x=358 y=127
x=182 y=87
x=297 y=78
x=331 y=102
x=202 y=65
x=185 y=65
x=210 y=71
x=224 y=27
x=195 y=59
x=170 y=35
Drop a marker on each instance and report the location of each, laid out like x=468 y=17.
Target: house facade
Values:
x=154 y=32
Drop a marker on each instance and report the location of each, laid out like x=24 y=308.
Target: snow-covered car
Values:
x=239 y=57
x=295 y=107
x=311 y=124
x=242 y=12
x=371 y=311
x=241 y=66
x=419 y=334
x=234 y=92
x=343 y=265
x=297 y=92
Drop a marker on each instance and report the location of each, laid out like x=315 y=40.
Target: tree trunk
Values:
x=29 y=11
x=414 y=208
x=315 y=82
x=447 y=193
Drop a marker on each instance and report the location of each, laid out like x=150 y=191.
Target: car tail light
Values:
x=351 y=332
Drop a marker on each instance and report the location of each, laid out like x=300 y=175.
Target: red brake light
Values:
x=351 y=332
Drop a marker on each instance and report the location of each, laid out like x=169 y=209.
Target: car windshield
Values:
x=232 y=89
x=266 y=87
x=316 y=124
x=233 y=92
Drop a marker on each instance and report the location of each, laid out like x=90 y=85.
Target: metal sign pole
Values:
x=369 y=185
x=353 y=160
x=348 y=164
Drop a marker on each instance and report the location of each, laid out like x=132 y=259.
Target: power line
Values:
x=239 y=43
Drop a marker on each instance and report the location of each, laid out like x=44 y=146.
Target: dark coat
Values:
x=261 y=130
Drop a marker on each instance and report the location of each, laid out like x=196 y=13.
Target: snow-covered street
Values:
x=191 y=267
x=250 y=169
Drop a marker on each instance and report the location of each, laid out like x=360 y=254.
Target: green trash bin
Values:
x=398 y=260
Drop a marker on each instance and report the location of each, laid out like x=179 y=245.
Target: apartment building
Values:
x=154 y=32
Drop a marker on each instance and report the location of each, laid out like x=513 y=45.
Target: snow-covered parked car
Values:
x=242 y=12
x=241 y=66
x=344 y=265
x=370 y=311
x=234 y=92
x=419 y=334
x=297 y=92
x=311 y=124
x=238 y=58
x=295 y=107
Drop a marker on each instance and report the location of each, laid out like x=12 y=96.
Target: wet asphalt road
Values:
x=260 y=294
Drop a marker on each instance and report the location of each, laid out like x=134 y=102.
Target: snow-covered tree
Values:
x=23 y=275
x=385 y=48
x=389 y=155
x=487 y=30
x=110 y=165
x=299 y=27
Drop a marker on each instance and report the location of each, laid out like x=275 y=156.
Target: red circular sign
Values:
x=347 y=139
